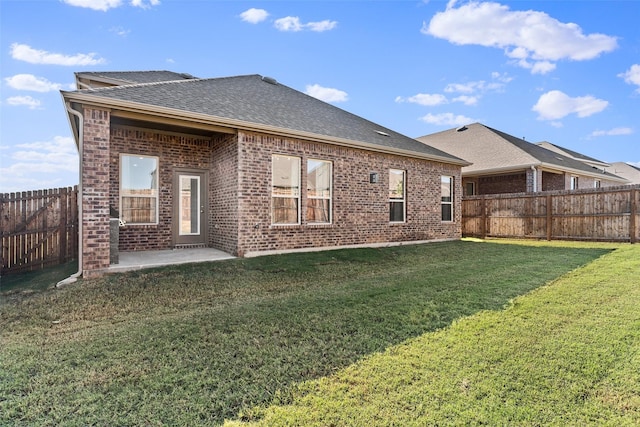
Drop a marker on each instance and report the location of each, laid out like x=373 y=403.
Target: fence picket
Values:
x=607 y=214
x=38 y=228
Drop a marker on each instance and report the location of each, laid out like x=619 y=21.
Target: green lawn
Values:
x=198 y=344
x=567 y=354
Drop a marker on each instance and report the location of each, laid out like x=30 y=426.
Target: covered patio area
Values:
x=148 y=259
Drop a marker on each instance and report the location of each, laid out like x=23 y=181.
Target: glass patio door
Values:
x=190 y=209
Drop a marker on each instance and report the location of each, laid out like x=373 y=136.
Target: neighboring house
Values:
x=595 y=163
x=249 y=166
x=625 y=170
x=502 y=163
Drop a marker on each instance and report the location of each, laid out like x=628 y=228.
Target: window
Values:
x=574 y=183
x=319 y=191
x=138 y=189
x=446 y=188
x=285 y=190
x=397 y=195
x=597 y=184
x=470 y=188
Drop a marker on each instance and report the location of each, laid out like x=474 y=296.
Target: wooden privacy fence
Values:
x=39 y=228
x=606 y=214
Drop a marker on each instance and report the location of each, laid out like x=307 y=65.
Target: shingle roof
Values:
x=491 y=150
x=252 y=99
x=571 y=153
x=136 y=77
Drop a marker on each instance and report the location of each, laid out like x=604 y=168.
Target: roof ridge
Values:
x=165 y=82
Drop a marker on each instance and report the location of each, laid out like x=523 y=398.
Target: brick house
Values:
x=249 y=166
x=502 y=163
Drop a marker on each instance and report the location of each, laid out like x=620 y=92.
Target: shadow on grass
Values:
x=37 y=280
x=193 y=345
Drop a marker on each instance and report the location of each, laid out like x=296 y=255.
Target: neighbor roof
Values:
x=570 y=153
x=492 y=151
x=625 y=170
x=257 y=103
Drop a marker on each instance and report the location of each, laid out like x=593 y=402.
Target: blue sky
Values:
x=567 y=72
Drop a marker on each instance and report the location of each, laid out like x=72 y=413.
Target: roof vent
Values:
x=379 y=132
x=269 y=80
x=461 y=128
x=187 y=76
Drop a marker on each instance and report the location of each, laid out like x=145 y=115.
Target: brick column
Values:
x=95 y=192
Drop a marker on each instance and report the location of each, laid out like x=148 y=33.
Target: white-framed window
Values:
x=138 y=189
x=319 y=191
x=597 y=183
x=446 y=189
x=470 y=188
x=285 y=190
x=397 y=195
x=574 y=183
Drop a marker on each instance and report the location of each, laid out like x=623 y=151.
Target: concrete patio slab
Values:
x=148 y=259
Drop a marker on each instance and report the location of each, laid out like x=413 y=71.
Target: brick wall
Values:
x=360 y=209
x=174 y=151
x=515 y=183
x=223 y=200
x=95 y=191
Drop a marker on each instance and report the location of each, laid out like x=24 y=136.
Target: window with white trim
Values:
x=285 y=189
x=574 y=183
x=319 y=189
x=597 y=183
x=446 y=190
x=138 y=189
x=397 y=195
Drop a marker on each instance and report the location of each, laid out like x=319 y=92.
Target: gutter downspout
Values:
x=74 y=277
x=535 y=178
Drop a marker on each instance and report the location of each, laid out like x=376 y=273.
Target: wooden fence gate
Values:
x=39 y=228
x=605 y=214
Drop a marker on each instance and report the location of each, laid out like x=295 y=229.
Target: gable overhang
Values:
x=166 y=115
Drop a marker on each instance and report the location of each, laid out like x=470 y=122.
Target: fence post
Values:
x=632 y=218
x=549 y=218
x=483 y=217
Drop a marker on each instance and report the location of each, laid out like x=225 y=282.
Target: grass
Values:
x=198 y=344
x=565 y=354
x=37 y=280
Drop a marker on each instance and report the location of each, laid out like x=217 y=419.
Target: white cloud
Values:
x=612 y=132
x=119 y=31
x=326 y=94
x=555 y=105
x=144 y=4
x=632 y=76
x=23 y=52
x=253 y=15
x=28 y=101
x=466 y=100
x=471 y=92
x=533 y=39
x=289 y=23
x=292 y=23
x=35 y=165
x=321 y=26
x=426 y=99
x=32 y=83
x=104 y=5
x=447 y=119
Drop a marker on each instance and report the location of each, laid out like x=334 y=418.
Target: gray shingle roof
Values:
x=253 y=99
x=136 y=77
x=570 y=153
x=489 y=150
